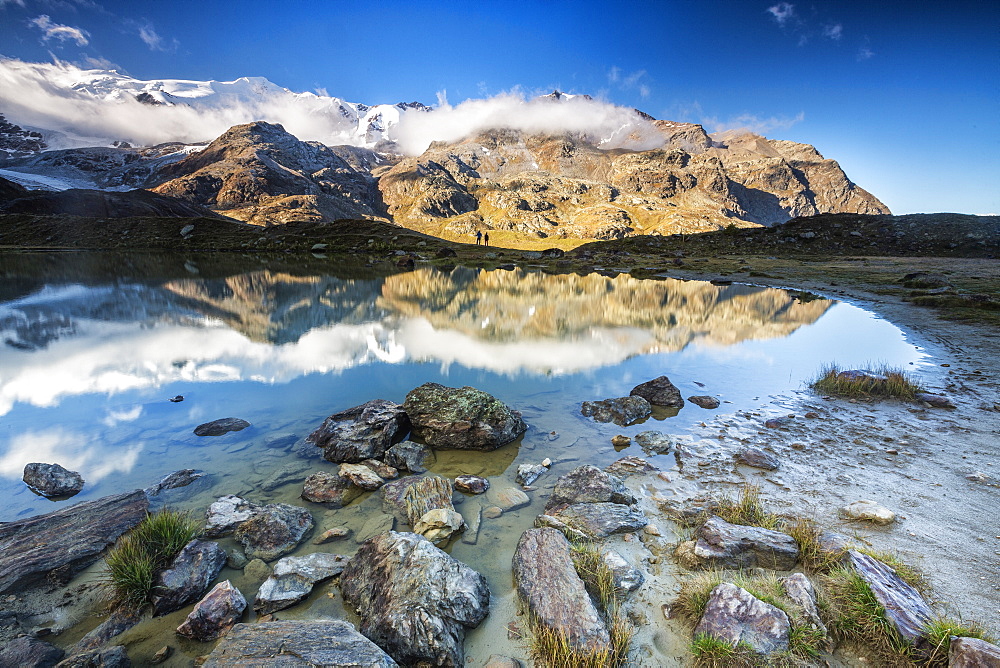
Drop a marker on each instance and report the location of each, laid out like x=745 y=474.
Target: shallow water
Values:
x=89 y=364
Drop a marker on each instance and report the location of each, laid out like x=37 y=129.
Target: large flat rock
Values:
x=65 y=541
x=288 y=644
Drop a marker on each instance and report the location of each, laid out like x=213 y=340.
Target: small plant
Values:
x=713 y=652
x=938 y=633
x=812 y=555
x=747 y=510
x=132 y=564
x=879 y=382
x=859 y=617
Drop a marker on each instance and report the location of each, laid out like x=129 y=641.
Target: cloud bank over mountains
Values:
x=96 y=107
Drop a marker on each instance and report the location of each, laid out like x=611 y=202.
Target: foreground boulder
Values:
x=362 y=432
x=215 y=614
x=58 y=545
x=52 y=480
x=103 y=657
x=736 y=616
x=28 y=652
x=188 y=577
x=972 y=653
x=720 y=544
x=461 y=418
x=623 y=411
x=659 y=392
x=291 y=644
x=293 y=579
x=415 y=601
x=553 y=592
x=905 y=609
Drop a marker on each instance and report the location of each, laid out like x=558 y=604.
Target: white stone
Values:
x=868 y=511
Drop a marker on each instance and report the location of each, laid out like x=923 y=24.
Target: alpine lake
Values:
x=96 y=346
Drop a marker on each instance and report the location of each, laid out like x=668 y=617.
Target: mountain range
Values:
x=623 y=174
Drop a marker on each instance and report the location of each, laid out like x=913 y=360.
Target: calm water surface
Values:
x=88 y=365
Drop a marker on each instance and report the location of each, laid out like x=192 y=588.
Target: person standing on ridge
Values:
x=479 y=237
x=486 y=239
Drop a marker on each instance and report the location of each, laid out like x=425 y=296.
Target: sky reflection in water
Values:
x=85 y=372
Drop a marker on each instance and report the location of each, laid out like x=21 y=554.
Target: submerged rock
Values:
x=103 y=657
x=362 y=432
x=623 y=411
x=654 y=442
x=331 y=489
x=295 y=644
x=275 y=530
x=529 y=473
x=293 y=579
x=736 y=616
x=659 y=392
x=704 y=401
x=758 y=458
x=177 y=479
x=461 y=418
x=553 y=592
x=51 y=480
x=188 y=577
x=58 y=545
x=471 y=484
x=215 y=614
x=414 y=600
x=221 y=426
x=508 y=498
x=628 y=466
x=934 y=400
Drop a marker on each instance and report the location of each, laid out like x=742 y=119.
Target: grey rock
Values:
x=58 y=545
x=256 y=571
x=438 y=525
x=834 y=544
x=704 y=401
x=362 y=476
x=868 y=511
x=105 y=657
x=227 y=513
x=236 y=559
x=934 y=400
x=724 y=545
x=628 y=466
x=734 y=615
x=654 y=442
x=472 y=520
x=413 y=457
x=289 y=473
x=471 y=484
x=215 y=614
x=659 y=392
x=293 y=579
x=627 y=578
x=275 y=530
x=330 y=489
x=28 y=652
x=461 y=418
x=117 y=623
x=547 y=582
x=362 y=432
x=221 y=426
x=188 y=577
x=600 y=520
x=905 y=609
x=175 y=480
x=414 y=600
x=336 y=533
x=623 y=411
x=802 y=593
x=529 y=473
x=411 y=497
x=52 y=480
x=297 y=644
x=758 y=458
x=589 y=484
x=381 y=469
x=972 y=653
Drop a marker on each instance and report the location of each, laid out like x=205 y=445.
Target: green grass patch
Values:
x=134 y=561
x=812 y=556
x=711 y=652
x=747 y=509
x=859 y=617
x=938 y=633
x=880 y=382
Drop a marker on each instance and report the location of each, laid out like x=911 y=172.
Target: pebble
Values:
x=621 y=441
x=492 y=512
x=547 y=463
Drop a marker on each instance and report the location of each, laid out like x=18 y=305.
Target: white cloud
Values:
x=864 y=53
x=614 y=74
x=58 y=31
x=834 y=32
x=152 y=39
x=757 y=124
x=4 y=3
x=92 y=458
x=782 y=12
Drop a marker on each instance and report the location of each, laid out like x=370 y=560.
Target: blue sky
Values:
x=906 y=96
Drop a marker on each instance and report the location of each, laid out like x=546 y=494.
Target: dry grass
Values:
x=747 y=509
x=812 y=556
x=860 y=618
x=881 y=382
x=938 y=633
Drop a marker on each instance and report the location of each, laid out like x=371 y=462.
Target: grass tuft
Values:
x=747 y=510
x=860 y=618
x=893 y=384
x=909 y=574
x=132 y=564
x=938 y=633
x=813 y=557
x=711 y=652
